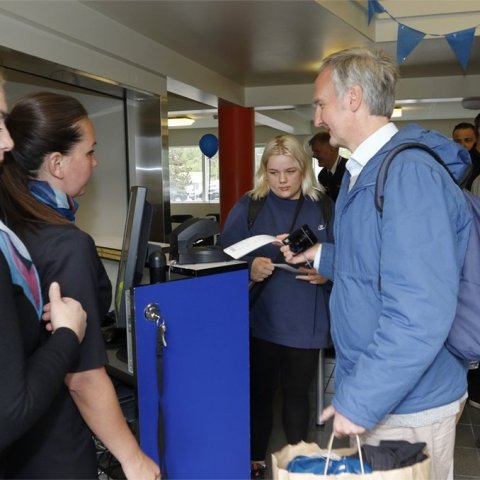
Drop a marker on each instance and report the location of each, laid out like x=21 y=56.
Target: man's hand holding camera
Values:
x=295 y=258
x=307 y=256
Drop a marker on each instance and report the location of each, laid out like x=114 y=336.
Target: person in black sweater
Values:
x=30 y=374
x=52 y=162
x=333 y=165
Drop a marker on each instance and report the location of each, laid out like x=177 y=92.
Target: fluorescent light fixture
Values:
x=412 y=101
x=397 y=112
x=180 y=121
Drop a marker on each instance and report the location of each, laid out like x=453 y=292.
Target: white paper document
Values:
x=288 y=268
x=241 y=248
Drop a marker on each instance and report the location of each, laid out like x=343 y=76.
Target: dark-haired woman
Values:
x=52 y=162
x=30 y=375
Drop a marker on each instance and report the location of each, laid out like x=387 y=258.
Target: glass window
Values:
x=258 y=156
x=193 y=176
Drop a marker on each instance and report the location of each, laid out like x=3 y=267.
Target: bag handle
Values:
x=329 y=454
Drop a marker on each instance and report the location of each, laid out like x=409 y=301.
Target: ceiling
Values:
x=278 y=43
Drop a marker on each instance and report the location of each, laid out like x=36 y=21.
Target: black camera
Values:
x=301 y=239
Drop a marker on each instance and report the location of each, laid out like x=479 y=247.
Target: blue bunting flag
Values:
x=407 y=39
x=461 y=44
x=373 y=8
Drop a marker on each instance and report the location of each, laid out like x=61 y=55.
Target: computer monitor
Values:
x=134 y=251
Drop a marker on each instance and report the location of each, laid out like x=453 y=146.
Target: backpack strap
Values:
x=254 y=207
x=383 y=170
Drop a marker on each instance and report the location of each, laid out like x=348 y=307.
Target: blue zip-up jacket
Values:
x=396 y=280
x=287 y=311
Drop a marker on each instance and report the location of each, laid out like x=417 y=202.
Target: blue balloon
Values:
x=209 y=145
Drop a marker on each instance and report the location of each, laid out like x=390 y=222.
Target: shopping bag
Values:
x=280 y=459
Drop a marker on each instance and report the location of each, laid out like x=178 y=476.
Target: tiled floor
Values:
x=467 y=455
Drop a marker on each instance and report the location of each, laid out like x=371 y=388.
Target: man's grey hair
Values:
x=372 y=69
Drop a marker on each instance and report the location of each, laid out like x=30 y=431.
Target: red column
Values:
x=236 y=140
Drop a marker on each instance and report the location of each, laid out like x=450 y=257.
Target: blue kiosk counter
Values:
x=197 y=381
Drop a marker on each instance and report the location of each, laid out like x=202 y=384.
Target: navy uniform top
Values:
x=60 y=445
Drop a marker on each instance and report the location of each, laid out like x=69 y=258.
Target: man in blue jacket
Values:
x=396 y=276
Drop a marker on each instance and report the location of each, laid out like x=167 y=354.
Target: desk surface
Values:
x=200 y=269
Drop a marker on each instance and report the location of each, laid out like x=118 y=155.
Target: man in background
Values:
x=333 y=165
x=464 y=134
x=475 y=156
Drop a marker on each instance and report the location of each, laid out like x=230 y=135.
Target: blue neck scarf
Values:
x=64 y=204
x=22 y=270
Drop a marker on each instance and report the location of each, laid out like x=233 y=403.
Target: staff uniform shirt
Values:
x=61 y=445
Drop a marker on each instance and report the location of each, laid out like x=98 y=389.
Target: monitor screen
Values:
x=134 y=250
